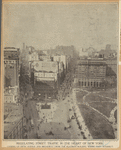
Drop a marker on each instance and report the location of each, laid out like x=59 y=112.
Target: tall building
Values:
x=11 y=66
x=11 y=74
x=91 y=72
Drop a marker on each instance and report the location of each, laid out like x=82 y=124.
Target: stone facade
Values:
x=91 y=73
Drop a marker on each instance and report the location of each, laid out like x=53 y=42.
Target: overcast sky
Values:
x=47 y=25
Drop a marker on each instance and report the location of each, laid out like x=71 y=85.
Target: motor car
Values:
x=72 y=117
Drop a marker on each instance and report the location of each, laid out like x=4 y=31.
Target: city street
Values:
x=31 y=113
x=61 y=115
x=60 y=69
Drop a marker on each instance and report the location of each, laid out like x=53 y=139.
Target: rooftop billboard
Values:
x=45 y=66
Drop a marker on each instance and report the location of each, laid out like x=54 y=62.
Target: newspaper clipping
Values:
x=59 y=70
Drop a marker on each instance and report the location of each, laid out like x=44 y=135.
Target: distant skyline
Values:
x=45 y=26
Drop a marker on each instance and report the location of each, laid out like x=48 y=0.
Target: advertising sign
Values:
x=46 y=75
x=45 y=66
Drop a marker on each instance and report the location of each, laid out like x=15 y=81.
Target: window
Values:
x=11 y=67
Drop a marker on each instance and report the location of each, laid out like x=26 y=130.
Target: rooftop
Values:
x=91 y=62
x=13 y=118
x=10 y=49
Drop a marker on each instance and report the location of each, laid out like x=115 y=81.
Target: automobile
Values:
x=72 y=117
x=69 y=120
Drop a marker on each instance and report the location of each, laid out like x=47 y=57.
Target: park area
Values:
x=111 y=93
x=101 y=103
x=103 y=107
x=94 y=97
x=98 y=126
x=79 y=96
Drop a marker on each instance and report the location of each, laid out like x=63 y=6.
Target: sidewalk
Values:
x=79 y=117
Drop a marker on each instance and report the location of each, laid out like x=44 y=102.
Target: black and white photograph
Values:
x=60 y=71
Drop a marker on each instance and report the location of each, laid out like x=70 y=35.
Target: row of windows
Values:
x=9 y=66
x=8 y=101
x=8 y=98
x=8 y=110
x=95 y=84
x=9 y=61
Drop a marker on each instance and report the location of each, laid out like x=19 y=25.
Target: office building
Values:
x=91 y=72
x=11 y=73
